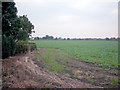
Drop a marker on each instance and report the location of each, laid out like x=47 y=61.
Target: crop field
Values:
x=102 y=53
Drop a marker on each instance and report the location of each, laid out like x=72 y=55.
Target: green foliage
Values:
x=26 y=25
x=53 y=66
x=48 y=37
x=9 y=19
x=14 y=28
x=114 y=81
x=5 y=47
x=68 y=38
x=8 y=46
x=24 y=28
x=32 y=46
x=9 y=30
x=24 y=46
x=22 y=35
x=12 y=45
x=103 y=53
x=13 y=25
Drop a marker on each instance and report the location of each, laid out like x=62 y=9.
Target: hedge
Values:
x=11 y=48
x=24 y=46
x=8 y=47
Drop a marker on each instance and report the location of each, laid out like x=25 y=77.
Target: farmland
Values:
x=102 y=53
x=71 y=44
x=64 y=64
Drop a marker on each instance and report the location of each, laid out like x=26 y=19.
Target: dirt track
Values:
x=23 y=72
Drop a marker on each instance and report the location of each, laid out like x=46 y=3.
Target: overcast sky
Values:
x=71 y=18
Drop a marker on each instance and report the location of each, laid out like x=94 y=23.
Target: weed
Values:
x=67 y=75
x=114 y=81
x=51 y=62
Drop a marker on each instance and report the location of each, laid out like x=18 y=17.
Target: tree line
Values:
x=48 y=37
x=14 y=29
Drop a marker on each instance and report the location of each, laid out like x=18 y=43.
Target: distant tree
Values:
x=118 y=39
x=36 y=38
x=43 y=37
x=56 y=38
x=48 y=37
x=64 y=39
x=59 y=38
x=107 y=39
x=68 y=38
x=79 y=39
x=113 y=38
x=51 y=37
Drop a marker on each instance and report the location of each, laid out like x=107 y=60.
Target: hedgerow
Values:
x=24 y=46
x=8 y=47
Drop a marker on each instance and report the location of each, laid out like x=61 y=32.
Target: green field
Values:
x=103 y=53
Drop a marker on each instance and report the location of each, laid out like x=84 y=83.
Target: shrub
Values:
x=32 y=46
x=12 y=46
x=8 y=46
x=24 y=46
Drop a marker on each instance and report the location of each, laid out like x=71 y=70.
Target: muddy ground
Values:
x=27 y=71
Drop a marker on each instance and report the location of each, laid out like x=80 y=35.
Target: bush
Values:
x=12 y=46
x=32 y=46
x=8 y=47
x=24 y=46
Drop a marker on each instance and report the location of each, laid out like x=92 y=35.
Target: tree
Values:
x=56 y=38
x=113 y=38
x=26 y=25
x=14 y=28
x=68 y=38
x=22 y=35
x=64 y=39
x=107 y=38
x=36 y=38
x=51 y=37
x=9 y=19
x=9 y=22
x=48 y=37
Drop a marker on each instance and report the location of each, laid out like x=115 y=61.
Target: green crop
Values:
x=103 y=53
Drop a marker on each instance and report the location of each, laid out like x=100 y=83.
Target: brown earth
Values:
x=23 y=71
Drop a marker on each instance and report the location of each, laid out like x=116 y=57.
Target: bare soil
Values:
x=23 y=71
